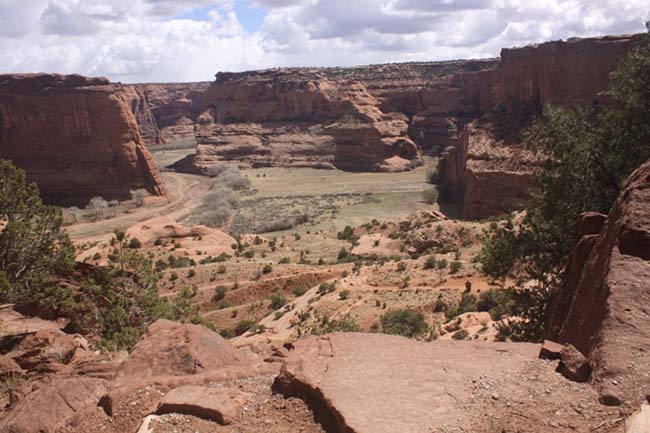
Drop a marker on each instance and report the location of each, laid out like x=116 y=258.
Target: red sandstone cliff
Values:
x=167 y=112
x=75 y=136
x=488 y=170
x=300 y=117
x=603 y=305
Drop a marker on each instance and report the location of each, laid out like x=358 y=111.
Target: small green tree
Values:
x=33 y=246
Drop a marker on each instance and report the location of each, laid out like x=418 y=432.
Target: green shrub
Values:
x=430 y=262
x=277 y=301
x=244 y=326
x=299 y=291
x=326 y=288
x=267 y=269
x=455 y=267
x=344 y=295
x=135 y=243
x=406 y=323
x=219 y=293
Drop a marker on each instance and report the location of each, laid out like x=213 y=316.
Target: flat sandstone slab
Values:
x=221 y=405
x=375 y=383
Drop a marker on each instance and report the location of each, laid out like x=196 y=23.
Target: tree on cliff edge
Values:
x=591 y=151
x=33 y=246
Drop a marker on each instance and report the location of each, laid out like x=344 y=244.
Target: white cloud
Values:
x=155 y=40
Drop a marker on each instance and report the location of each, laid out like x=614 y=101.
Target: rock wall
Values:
x=300 y=117
x=75 y=136
x=166 y=112
x=602 y=305
x=487 y=170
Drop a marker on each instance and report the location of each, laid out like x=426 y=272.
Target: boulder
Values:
x=375 y=383
x=51 y=405
x=172 y=354
x=222 y=405
x=47 y=347
x=174 y=349
x=467 y=320
x=573 y=364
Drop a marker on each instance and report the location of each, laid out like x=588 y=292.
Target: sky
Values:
x=191 y=40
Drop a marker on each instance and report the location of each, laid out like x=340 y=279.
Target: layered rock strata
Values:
x=76 y=137
x=300 y=118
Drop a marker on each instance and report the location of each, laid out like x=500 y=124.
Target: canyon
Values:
x=76 y=137
x=331 y=297
x=470 y=113
x=166 y=112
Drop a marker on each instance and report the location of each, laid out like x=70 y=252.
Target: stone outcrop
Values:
x=52 y=404
x=300 y=118
x=75 y=136
x=602 y=305
x=402 y=386
x=487 y=169
x=167 y=112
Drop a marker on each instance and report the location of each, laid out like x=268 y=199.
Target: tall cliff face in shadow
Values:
x=488 y=169
x=76 y=137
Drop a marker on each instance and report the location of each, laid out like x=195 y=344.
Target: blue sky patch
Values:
x=250 y=17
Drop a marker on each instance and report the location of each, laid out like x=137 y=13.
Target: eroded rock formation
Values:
x=166 y=112
x=75 y=136
x=487 y=169
x=300 y=118
x=602 y=305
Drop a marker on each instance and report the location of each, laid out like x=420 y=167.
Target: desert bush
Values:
x=277 y=301
x=344 y=295
x=267 y=269
x=299 y=291
x=219 y=293
x=455 y=267
x=244 y=326
x=98 y=205
x=499 y=303
x=430 y=195
x=134 y=243
x=138 y=196
x=326 y=288
x=430 y=262
x=406 y=323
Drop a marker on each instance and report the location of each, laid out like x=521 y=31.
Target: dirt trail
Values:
x=184 y=192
